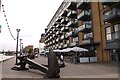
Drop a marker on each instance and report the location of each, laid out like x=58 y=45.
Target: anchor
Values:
x=51 y=70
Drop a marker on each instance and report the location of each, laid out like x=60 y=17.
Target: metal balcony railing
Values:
x=87 y=41
x=68 y=34
x=85 y=26
x=74 y=43
x=83 y=3
x=72 y=23
x=84 y=14
x=72 y=14
x=112 y=15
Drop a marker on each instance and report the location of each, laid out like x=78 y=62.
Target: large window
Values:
x=108 y=34
x=116 y=27
x=116 y=33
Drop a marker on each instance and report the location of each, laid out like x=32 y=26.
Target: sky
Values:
x=31 y=16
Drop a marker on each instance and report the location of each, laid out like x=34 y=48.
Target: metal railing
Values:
x=83 y=13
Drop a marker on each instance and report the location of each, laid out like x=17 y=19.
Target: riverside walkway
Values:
x=89 y=70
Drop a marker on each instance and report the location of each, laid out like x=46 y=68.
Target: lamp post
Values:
x=20 y=46
x=18 y=30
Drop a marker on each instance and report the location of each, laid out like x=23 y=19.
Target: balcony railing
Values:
x=87 y=41
x=108 y=2
x=83 y=4
x=64 y=13
x=116 y=35
x=71 y=5
x=65 y=45
x=112 y=16
x=61 y=44
x=75 y=32
x=68 y=34
x=62 y=28
x=58 y=19
x=57 y=40
x=66 y=29
x=74 y=43
x=84 y=16
x=72 y=14
x=62 y=37
x=64 y=21
x=72 y=23
x=57 y=32
x=86 y=27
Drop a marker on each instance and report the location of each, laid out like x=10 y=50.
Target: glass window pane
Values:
x=116 y=27
x=108 y=37
x=108 y=30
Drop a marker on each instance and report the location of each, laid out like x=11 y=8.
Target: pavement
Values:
x=4 y=57
x=87 y=70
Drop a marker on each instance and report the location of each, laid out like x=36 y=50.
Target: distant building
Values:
x=42 y=43
x=28 y=48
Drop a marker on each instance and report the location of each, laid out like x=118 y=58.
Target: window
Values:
x=116 y=33
x=108 y=33
x=116 y=27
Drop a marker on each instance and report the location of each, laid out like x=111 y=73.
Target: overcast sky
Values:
x=31 y=16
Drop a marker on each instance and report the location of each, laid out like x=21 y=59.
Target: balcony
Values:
x=87 y=41
x=84 y=16
x=74 y=43
x=61 y=44
x=108 y=2
x=56 y=29
x=62 y=37
x=60 y=26
x=65 y=45
x=53 y=35
x=71 y=5
x=57 y=32
x=86 y=28
x=116 y=35
x=53 y=41
x=68 y=34
x=53 y=29
x=83 y=4
x=64 y=13
x=64 y=21
x=66 y=29
x=112 y=16
x=58 y=19
x=60 y=33
x=57 y=40
x=75 y=33
x=56 y=45
x=72 y=23
x=72 y=14
x=50 y=32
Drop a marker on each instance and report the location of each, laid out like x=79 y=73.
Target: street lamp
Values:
x=20 y=46
x=18 y=30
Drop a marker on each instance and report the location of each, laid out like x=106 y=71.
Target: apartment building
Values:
x=85 y=24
